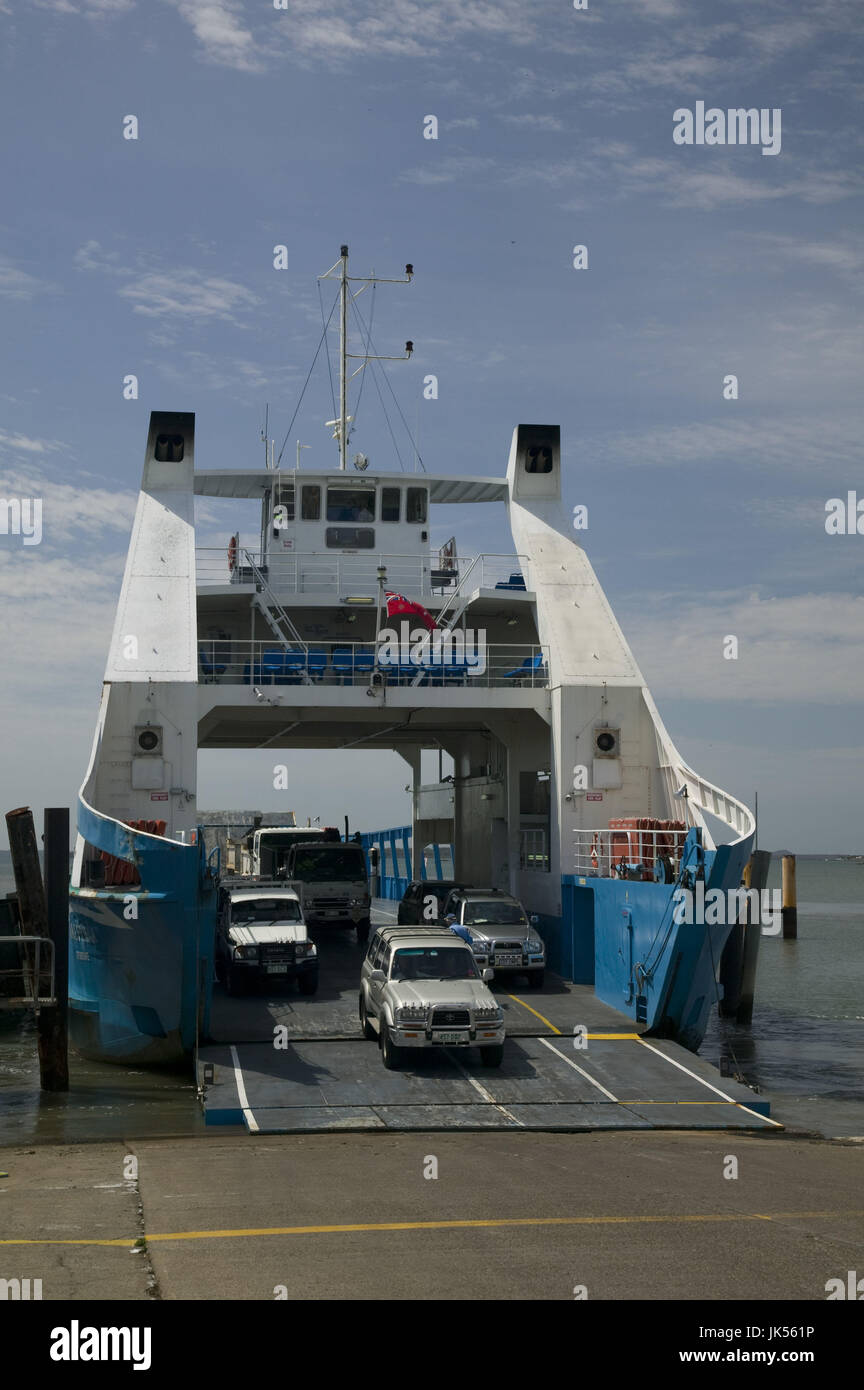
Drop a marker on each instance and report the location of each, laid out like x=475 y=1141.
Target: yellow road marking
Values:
x=492 y=1223
x=613 y=1037
x=535 y=1013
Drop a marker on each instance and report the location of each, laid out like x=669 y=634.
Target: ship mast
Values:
x=340 y=426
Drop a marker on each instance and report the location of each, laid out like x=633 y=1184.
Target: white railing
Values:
x=356 y=575
x=708 y=798
x=223 y=661
x=650 y=855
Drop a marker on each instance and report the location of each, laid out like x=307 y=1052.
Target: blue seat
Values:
x=316 y=662
x=363 y=660
x=528 y=667
x=292 y=668
x=516 y=581
x=209 y=665
x=342 y=661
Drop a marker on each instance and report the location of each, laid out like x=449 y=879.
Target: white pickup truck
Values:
x=261 y=935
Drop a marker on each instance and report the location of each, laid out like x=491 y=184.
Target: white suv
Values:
x=420 y=987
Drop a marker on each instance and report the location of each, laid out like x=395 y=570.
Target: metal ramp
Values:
x=620 y=1081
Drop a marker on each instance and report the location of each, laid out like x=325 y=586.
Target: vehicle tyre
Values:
x=391 y=1055
x=368 y=1030
x=308 y=982
x=363 y=932
x=536 y=978
x=492 y=1056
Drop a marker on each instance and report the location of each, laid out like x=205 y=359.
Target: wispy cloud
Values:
x=22 y=444
x=16 y=283
x=90 y=9
x=789 y=649
x=782 y=441
x=219 y=27
x=188 y=294
x=530 y=121
x=448 y=168
x=71 y=506
x=183 y=293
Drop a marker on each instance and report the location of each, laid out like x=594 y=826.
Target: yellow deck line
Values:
x=517 y=1000
x=478 y=1224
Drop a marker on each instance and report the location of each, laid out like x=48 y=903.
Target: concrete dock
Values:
x=510 y=1215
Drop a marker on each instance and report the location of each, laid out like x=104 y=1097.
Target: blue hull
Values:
x=621 y=937
x=141 y=958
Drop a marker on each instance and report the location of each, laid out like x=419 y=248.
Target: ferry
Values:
x=342 y=626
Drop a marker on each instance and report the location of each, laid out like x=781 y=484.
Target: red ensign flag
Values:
x=400 y=607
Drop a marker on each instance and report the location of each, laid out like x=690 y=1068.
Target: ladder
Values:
x=274 y=614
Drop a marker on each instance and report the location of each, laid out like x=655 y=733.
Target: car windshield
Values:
x=434 y=963
x=494 y=914
x=266 y=910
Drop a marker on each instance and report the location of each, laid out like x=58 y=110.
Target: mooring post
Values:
x=756 y=876
x=54 y=1035
x=789 y=913
x=33 y=912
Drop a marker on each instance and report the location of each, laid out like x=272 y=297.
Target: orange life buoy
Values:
x=232 y=553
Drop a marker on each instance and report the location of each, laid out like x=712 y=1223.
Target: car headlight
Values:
x=412 y=1013
x=488 y=1013
x=480 y=948
x=534 y=946
x=304 y=948
x=246 y=952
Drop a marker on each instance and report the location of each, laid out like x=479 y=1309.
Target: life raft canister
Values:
x=232 y=554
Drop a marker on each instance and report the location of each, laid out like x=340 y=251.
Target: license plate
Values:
x=450 y=1037
x=277 y=969
x=508 y=958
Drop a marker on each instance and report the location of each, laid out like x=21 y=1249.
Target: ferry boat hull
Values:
x=558 y=694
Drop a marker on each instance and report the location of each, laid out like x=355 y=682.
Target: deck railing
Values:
x=226 y=662
x=628 y=853
x=344 y=576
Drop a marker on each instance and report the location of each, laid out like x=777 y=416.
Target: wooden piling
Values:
x=33 y=911
x=54 y=1035
x=789 y=914
x=755 y=876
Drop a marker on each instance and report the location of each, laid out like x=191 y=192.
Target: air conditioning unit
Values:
x=607 y=743
x=148 y=740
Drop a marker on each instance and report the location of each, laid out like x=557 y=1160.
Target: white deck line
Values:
x=241 y=1092
x=581 y=1070
x=703 y=1082
x=490 y=1099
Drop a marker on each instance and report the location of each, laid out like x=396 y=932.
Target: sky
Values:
x=303 y=126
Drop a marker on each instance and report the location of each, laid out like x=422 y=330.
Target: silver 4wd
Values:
x=261 y=935
x=502 y=935
x=420 y=988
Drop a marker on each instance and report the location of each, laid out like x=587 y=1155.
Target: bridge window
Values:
x=349 y=538
x=538 y=459
x=350 y=504
x=310 y=507
x=415 y=504
x=169 y=448
x=391 y=503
